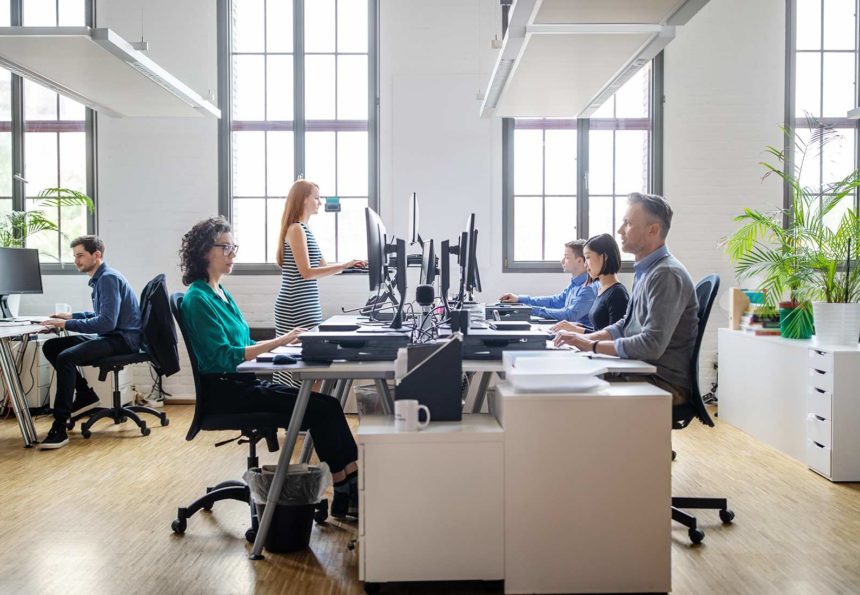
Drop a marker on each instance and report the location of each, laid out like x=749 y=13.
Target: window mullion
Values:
x=299 y=87
x=583 y=125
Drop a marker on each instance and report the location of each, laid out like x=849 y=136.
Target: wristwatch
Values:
x=594 y=346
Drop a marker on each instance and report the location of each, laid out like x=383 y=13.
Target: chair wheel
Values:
x=207 y=507
x=727 y=516
x=178 y=526
x=70 y=425
x=351 y=545
x=250 y=535
x=674 y=455
x=164 y=420
x=122 y=420
x=86 y=433
x=696 y=535
x=145 y=431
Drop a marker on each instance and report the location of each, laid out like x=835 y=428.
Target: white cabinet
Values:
x=833 y=413
x=796 y=396
x=587 y=490
x=431 y=502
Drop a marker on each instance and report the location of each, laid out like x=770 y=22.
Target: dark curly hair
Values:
x=193 y=254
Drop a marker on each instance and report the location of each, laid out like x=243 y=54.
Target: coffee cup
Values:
x=406 y=415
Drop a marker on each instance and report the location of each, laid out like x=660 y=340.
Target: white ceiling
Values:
x=100 y=69
x=564 y=58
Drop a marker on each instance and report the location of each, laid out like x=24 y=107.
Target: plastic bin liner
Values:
x=368 y=401
x=304 y=484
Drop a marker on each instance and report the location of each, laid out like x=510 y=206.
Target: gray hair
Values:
x=657 y=208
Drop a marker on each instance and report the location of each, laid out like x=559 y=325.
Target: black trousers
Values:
x=66 y=353
x=324 y=418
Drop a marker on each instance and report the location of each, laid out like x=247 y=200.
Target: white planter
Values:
x=836 y=324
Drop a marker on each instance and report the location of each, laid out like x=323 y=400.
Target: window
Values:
x=825 y=68
x=50 y=135
x=553 y=195
x=299 y=108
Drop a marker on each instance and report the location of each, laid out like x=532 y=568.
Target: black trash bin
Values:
x=291 y=527
x=293 y=520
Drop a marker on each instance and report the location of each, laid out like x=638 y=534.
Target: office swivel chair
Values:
x=252 y=427
x=159 y=350
x=682 y=415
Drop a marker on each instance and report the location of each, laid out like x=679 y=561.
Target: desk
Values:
x=13 y=382
x=379 y=371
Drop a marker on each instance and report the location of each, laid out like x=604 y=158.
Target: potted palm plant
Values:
x=17 y=226
x=807 y=252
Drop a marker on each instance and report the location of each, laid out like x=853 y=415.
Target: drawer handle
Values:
x=818 y=390
x=822 y=353
x=819 y=372
x=817 y=444
x=819 y=418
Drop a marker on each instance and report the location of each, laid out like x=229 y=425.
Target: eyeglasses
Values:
x=229 y=249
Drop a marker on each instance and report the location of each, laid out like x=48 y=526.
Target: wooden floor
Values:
x=94 y=517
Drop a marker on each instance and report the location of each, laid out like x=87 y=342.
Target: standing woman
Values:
x=602 y=263
x=298 y=255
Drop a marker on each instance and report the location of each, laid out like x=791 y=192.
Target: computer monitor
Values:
x=470 y=280
x=414 y=216
x=400 y=282
x=376 y=253
x=428 y=264
x=20 y=272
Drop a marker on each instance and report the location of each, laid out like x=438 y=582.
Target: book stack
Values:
x=755 y=323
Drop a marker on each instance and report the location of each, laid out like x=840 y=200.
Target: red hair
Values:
x=293 y=209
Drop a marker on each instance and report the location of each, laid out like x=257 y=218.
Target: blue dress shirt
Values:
x=116 y=310
x=572 y=304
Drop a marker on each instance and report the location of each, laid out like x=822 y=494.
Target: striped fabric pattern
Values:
x=298 y=301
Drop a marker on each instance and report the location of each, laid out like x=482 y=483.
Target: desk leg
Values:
x=16 y=393
x=344 y=394
x=387 y=399
x=283 y=464
x=483 y=384
x=308 y=444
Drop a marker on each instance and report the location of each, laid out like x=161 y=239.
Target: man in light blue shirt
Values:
x=572 y=304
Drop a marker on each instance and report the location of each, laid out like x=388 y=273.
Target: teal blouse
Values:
x=217 y=329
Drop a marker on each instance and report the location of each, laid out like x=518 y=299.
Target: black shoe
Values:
x=84 y=401
x=340 y=504
x=353 y=500
x=56 y=438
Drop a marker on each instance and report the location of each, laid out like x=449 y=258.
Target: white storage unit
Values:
x=833 y=413
x=587 y=490
x=431 y=502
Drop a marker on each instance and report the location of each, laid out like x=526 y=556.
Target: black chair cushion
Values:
x=262 y=422
x=117 y=362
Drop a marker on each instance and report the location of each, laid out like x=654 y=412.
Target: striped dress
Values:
x=298 y=301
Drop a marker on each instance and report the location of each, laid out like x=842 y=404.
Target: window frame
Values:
x=790 y=120
x=300 y=124
x=583 y=127
x=19 y=127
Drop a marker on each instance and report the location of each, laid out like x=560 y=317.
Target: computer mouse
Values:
x=282 y=359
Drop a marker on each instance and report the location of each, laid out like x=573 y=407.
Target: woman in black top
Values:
x=602 y=263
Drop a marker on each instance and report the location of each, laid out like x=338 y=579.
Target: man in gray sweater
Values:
x=662 y=319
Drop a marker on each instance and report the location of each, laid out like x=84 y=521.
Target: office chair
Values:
x=682 y=415
x=155 y=350
x=253 y=427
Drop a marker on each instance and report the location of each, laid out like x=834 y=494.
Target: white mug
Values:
x=62 y=309
x=406 y=415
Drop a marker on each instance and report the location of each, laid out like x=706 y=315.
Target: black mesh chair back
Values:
x=682 y=415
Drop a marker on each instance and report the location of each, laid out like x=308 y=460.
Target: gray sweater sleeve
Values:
x=666 y=296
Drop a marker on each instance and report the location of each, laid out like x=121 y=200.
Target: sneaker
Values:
x=56 y=438
x=84 y=402
x=340 y=504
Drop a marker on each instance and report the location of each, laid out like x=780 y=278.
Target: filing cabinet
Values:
x=833 y=412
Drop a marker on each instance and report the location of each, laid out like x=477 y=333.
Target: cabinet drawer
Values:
x=819 y=402
x=818 y=430
x=821 y=379
x=818 y=457
x=821 y=360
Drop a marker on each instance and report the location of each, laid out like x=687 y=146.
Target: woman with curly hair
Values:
x=220 y=340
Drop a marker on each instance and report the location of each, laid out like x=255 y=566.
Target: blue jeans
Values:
x=67 y=353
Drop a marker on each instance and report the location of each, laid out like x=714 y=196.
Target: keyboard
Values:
x=354 y=270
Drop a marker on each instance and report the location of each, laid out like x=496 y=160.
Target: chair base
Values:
x=689 y=521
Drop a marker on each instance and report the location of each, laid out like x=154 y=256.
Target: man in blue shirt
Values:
x=572 y=304
x=112 y=328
